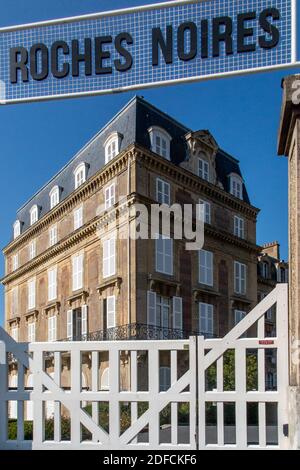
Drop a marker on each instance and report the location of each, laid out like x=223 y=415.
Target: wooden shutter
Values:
x=177 y=313
x=111 y=311
x=151 y=308
x=84 y=320
x=70 y=324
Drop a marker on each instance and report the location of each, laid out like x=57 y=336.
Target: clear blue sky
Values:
x=36 y=140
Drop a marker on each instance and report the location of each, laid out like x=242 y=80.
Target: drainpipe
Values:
x=128 y=243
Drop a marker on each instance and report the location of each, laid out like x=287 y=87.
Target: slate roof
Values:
x=133 y=122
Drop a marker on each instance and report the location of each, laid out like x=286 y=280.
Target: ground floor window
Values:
x=206 y=319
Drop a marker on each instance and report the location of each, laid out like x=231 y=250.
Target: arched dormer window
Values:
x=236 y=186
x=34 y=214
x=265 y=269
x=17 y=229
x=80 y=173
x=54 y=196
x=112 y=146
x=160 y=141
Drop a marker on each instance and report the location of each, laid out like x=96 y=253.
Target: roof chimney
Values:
x=272 y=249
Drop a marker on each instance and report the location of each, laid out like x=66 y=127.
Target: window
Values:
x=164 y=379
x=53 y=235
x=80 y=175
x=110 y=196
x=164 y=255
x=162 y=191
x=111 y=312
x=203 y=169
x=104 y=382
x=240 y=271
x=31 y=294
x=34 y=215
x=78 y=218
x=31 y=332
x=77 y=272
x=112 y=146
x=205 y=211
x=160 y=142
x=15 y=301
x=17 y=229
x=52 y=284
x=239 y=227
x=265 y=269
x=109 y=257
x=15 y=262
x=283 y=275
x=15 y=333
x=32 y=250
x=206 y=319
x=54 y=197
x=206 y=275
x=52 y=328
x=236 y=186
x=238 y=316
x=164 y=312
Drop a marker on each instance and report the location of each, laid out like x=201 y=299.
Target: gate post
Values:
x=289 y=146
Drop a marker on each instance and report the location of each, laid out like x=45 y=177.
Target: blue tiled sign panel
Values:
x=139 y=24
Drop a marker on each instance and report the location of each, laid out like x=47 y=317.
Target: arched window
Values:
x=112 y=146
x=80 y=174
x=236 y=186
x=54 y=197
x=160 y=141
x=34 y=214
x=17 y=229
x=265 y=269
x=104 y=385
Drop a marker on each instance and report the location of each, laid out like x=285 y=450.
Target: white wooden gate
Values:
x=190 y=414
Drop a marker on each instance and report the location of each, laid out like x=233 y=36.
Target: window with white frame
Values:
x=32 y=250
x=239 y=227
x=15 y=300
x=31 y=294
x=203 y=169
x=52 y=284
x=17 y=229
x=206 y=319
x=206 y=269
x=77 y=272
x=164 y=378
x=240 y=278
x=109 y=257
x=78 y=218
x=54 y=197
x=52 y=328
x=34 y=214
x=162 y=191
x=164 y=255
x=80 y=174
x=15 y=262
x=164 y=312
x=238 y=316
x=109 y=196
x=205 y=211
x=160 y=141
x=112 y=146
x=111 y=311
x=53 y=235
x=236 y=186
x=15 y=333
x=31 y=332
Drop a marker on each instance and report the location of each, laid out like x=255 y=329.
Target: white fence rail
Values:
x=207 y=394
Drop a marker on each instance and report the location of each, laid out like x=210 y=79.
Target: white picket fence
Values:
x=189 y=388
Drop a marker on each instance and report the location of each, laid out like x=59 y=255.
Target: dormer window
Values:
x=34 y=214
x=203 y=169
x=17 y=229
x=112 y=146
x=80 y=174
x=160 y=141
x=54 y=197
x=236 y=186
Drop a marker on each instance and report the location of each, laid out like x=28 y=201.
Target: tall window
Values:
x=109 y=257
x=52 y=328
x=32 y=249
x=15 y=301
x=52 y=284
x=15 y=333
x=205 y=211
x=31 y=332
x=78 y=218
x=53 y=235
x=164 y=255
x=239 y=227
x=160 y=141
x=54 y=197
x=15 y=262
x=240 y=278
x=206 y=274
x=77 y=272
x=17 y=229
x=206 y=319
x=203 y=169
x=34 y=214
x=80 y=175
x=162 y=191
x=164 y=312
x=112 y=146
x=266 y=271
x=111 y=312
x=236 y=186
x=31 y=294
x=238 y=316
x=110 y=196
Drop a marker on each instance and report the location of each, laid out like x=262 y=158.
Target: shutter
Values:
x=111 y=312
x=105 y=258
x=177 y=313
x=55 y=328
x=112 y=261
x=70 y=324
x=84 y=320
x=151 y=308
x=49 y=330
